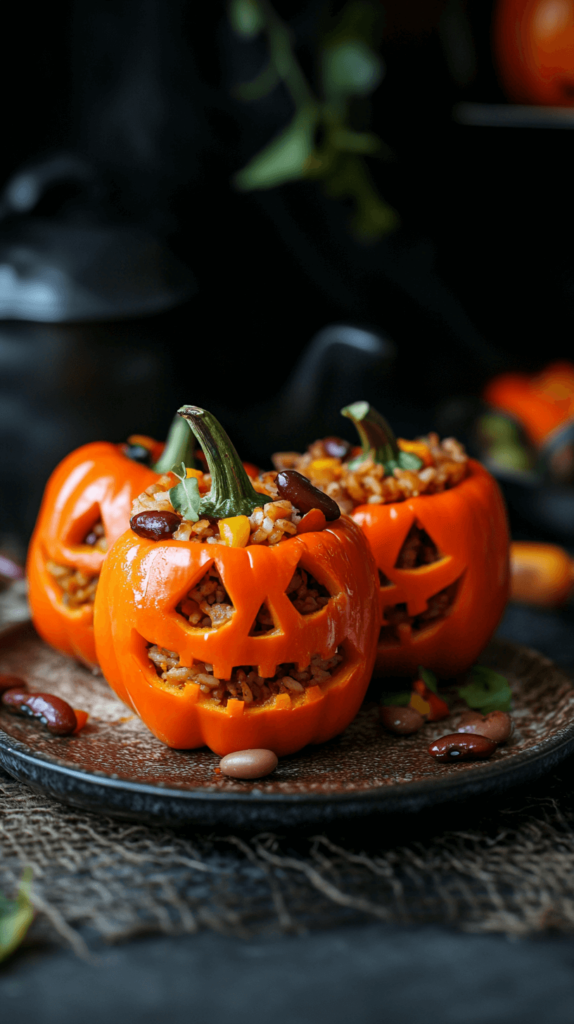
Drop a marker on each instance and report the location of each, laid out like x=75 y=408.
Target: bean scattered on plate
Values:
x=249 y=764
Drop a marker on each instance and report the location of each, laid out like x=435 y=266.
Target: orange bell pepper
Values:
x=97 y=481
x=468 y=526
x=143 y=581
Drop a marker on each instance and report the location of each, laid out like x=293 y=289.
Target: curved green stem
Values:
x=231 y=491
x=377 y=439
x=179 y=447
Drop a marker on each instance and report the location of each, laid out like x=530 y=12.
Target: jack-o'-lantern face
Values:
x=86 y=506
x=443 y=565
x=261 y=627
x=198 y=638
x=419 y=590
x=535 y=50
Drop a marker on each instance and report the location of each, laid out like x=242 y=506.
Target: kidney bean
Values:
x=55 y=713
x=14 y=698
x=8 y=682
x=249 y=764
x=300 y=492
x=458 y=747
x=497 y=725
x=155 y=525
x=336 y=448
x=402 y=721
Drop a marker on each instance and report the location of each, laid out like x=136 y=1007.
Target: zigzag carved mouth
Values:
x=245 y=684
x=401 y=626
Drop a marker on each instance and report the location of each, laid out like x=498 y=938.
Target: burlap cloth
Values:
x=506 y=868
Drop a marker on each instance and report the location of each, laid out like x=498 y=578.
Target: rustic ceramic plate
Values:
x=115 y=766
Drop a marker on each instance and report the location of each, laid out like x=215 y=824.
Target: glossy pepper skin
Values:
x=143 y=581
x=468 y=525
x=96 y=481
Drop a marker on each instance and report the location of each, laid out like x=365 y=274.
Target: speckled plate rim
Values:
x=165 y=805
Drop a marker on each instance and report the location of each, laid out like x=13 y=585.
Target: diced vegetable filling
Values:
x=96 y=537
x=444 y=465
x=77 y=587
x=245 y=683
x=275 y=521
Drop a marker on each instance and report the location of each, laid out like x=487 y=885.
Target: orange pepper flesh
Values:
x=81 y=720
x=95 y=476
x=468 y=525
x=312 y=520
x=126 y=621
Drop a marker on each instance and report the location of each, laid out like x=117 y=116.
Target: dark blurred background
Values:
x=139 y=268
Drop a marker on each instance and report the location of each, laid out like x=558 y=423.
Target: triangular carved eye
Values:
x=418 y=549
x=264 y=622
x=384 y=580
x=96 y=536
x=207 y=605
x=306 y=593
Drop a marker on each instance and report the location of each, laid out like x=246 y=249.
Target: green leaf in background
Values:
x=15 y=916
x=429 y=679
x=487 y=690
x=395 y=700
x=285 y=157
x=245 y=18
x=185 y=496
x=351 y=68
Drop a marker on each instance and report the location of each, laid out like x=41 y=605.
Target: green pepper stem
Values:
x=231 y=491
x=179 y=447
x=377 y=439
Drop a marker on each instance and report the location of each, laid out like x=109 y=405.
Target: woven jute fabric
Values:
x=505 y=867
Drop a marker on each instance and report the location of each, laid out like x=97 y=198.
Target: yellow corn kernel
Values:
x=324 y=470
x=420 y=705
x=235 y=532
x=416 y=448
x=194 y=472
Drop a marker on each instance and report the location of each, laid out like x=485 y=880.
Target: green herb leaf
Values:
x=185 y=496
x=408 y=460
x=245 y=18
x=15 y=916
x=487 y=690
x=284 y=159
x=429 y=679
x=395 y=700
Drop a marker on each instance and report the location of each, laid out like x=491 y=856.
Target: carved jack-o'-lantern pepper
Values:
x=86 y=506
x=437 y=527
x=442 y=557
x=248 y=627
